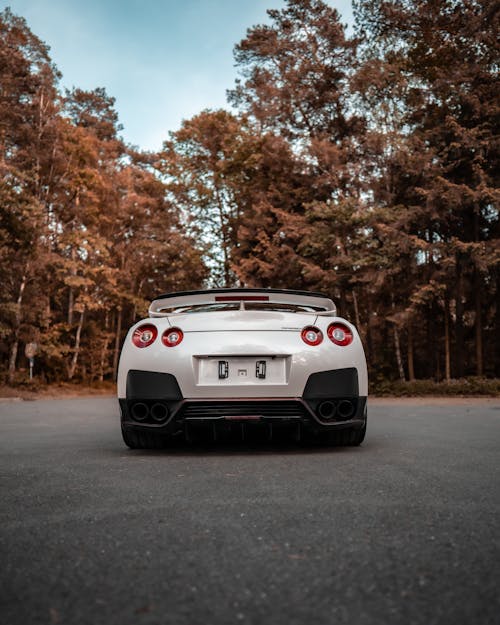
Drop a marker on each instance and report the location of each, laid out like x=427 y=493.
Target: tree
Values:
x=296 y=73
x=28 y=109
x=203 y=166
x=86 y=233
x=444 y=172
x=296 y=93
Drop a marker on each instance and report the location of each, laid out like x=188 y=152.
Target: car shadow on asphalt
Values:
x=244 y=448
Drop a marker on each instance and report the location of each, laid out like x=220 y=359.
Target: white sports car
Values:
x=240 y=362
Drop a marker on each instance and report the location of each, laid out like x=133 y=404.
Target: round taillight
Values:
x=172 y=337
x=339 y=334
x=311 y=335
x=144 y=335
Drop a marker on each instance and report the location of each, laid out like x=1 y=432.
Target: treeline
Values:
x=87 y=235
x=363 y=166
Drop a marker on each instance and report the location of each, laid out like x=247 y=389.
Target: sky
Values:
x=162 y=60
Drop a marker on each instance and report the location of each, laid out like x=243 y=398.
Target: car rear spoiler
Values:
x=166 y=304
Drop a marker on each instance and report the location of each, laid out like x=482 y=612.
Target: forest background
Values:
x=364 y=166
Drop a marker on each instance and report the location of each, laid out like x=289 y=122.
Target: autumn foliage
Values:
x=364 y=166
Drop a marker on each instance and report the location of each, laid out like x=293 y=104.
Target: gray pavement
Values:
x=402 y=530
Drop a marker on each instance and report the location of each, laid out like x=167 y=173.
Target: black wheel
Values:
x=350 y=437
x=142 y=440
x=357 y=436
x=354 y=437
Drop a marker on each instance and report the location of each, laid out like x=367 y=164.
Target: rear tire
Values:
x=357 y=436
x=142 y=440
x=351 y=437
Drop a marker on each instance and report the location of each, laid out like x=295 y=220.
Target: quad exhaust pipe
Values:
x=139 y=411
x=158 y=412
x=345 y=409
x=340 y=411
x=327 y=410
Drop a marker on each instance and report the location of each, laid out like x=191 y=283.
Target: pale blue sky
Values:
x=163 y=60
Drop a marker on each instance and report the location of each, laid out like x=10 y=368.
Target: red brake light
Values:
x=144 y=335
x=172 y=337
x=339 y=334
x=311 y=335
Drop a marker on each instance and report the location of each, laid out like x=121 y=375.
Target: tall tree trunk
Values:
x=411 y=368
x=437 y=375
x=104 y=349
x=224 y=234
x=479 y=324
x=369 y=335
x=496 y=324
x=102 y=360
x=356 y=311
x=17 y=324
x=117 y=342
x=447 y=350
x=74 y=359
x=398 y=354
x=12 y=359
x=71 y=296
x=459 y=323
x=397 y=346
x=478 y=301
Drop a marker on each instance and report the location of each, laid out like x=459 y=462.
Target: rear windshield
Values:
x=263 y=306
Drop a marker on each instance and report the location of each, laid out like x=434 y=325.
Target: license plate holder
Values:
x=241 y=370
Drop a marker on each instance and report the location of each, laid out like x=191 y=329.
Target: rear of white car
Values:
x=240 y=362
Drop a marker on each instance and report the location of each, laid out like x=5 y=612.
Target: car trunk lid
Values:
x=242 y=320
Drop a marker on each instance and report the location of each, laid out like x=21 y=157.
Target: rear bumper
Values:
x=330 y=400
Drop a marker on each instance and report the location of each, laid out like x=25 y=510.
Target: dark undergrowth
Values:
x=465 y=387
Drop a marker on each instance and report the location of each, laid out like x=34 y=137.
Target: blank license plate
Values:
x=238 y=370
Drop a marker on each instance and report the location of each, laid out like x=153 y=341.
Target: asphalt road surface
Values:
x=402 y=530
